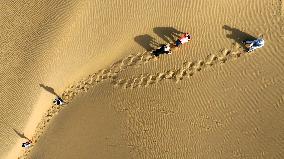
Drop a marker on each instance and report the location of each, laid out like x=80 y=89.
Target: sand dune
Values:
x=208 y=99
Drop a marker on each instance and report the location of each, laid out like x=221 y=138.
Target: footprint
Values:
x=236 y=54
x=236 y=46
x=189 y=73
x=135 y=83
x=199 y=65
x=151 y=80
x=188 y=65
x=222 y=59
x=161 y=76
x=120 y=82
x=180 y=74
x=136 y=59
x=126 y=60
x=169 y=74
x=128 y=83
x=143 y=81
x=112 y=75
x=148 y=58
x=226 y=52
x=211 y=59
x=115 y=68
x=98 y=78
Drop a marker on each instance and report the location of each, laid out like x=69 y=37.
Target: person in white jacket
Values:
x=255 y=44
x=27 y=144
x=58 y=101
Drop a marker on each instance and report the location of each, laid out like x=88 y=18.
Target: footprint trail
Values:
x=186 y=70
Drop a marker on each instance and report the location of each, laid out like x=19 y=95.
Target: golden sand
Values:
x=209 y=99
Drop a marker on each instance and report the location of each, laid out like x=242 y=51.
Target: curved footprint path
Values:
x=187 y=70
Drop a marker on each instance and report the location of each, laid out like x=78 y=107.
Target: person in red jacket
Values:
x=186 y=37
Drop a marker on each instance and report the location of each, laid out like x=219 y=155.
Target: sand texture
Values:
x=209 y=99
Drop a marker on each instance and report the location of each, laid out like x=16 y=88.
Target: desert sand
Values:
x=209 y=99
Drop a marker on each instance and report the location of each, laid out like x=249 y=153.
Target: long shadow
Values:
x=21 y=134
x=147 y=42
x=168 y=34
x=238 y=35
x=49 y=89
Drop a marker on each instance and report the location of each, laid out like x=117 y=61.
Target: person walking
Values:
x=186 y=37
x=254 y=44
x=58 y=101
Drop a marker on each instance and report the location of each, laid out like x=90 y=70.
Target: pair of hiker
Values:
x=57 y=101
x=186 y=37
x=166 y=49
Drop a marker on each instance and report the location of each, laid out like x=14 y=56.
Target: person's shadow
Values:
x=168 y=34
x=49 y=89
x=22 y=135
x=147 y=42
x=238 y=35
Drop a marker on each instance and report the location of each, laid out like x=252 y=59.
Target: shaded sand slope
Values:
x=27 y=32
x=99 y=125
x=42 y=43
x=225 y=111
x=161 y=128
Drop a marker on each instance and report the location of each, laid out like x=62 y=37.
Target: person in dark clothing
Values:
x=58 y=101
x=164 y=49
x=27 y=144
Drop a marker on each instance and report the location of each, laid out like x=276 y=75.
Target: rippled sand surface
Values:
x=209 y=99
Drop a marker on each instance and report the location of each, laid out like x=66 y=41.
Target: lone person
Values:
x=164 y=49
x=255 y=44
x=27 y=144
x=183 y=39
x=58 y=101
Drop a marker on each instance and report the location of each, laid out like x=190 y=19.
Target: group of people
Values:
x=166 y=49
x=186 y=37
